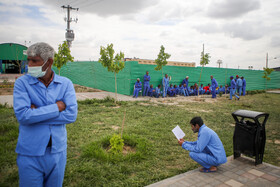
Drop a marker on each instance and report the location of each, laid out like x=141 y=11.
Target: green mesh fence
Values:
x=93 y=74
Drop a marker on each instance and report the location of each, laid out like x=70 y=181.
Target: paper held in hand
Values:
x=177 y=131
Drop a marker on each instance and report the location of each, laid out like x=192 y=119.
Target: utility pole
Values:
x=219 y=62
x=69 y=35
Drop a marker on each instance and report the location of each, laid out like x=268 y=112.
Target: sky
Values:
x=238 y=32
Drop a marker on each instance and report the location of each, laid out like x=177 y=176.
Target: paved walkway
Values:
x=82 y=96
x=274 y=91
x=235 y=173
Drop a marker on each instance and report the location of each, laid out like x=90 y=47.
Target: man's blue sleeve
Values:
x=23 y=111
x=201 y=143
x=68 y=115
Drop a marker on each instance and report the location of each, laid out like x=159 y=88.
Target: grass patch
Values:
x=160 y=157
x=100 y=150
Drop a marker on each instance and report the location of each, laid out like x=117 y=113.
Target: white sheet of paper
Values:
x=177 y=131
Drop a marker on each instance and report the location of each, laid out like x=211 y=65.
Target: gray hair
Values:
x=41 y=49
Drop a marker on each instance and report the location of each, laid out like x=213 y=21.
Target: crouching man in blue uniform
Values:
x=43 y=103
x=208 y=150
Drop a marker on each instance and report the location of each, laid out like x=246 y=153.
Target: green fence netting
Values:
x=93 y=74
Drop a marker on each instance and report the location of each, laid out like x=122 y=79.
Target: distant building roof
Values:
x=276 y=68
x=169 y=63
x=12 y=51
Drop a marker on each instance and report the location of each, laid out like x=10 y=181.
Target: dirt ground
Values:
x=7 y=88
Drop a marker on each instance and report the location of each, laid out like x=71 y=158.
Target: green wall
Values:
x=92 y=74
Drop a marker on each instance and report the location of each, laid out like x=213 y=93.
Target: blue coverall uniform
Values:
x=222 y=90
x=165 y=83
x=244 y=87
x=150 y=92
x=232 y=89
x=186 y=91
x=39 y=162
x=214 y=85
x=171 y=91
x=181 y=90
x=208 y=150
x=138 y=87
x=185 y=81
x=177 y=90
x=201 y=90
x=239 y=85
x=146 y=84
x=158 y=92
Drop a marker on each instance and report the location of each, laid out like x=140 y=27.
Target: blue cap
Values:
x=231 y=76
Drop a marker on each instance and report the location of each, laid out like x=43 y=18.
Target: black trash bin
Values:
x=249 y=134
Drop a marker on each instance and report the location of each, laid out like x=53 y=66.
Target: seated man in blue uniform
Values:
x=181 y=92
x=44 y=103
x=158 y=92
x=195 y=89
x=227 y=88
x=176 y=89
x=222 y=89
x=208 y=150
x=137 y=88
x=201 y=90
x=191 y=91
x=171 y=91
x=151 y=91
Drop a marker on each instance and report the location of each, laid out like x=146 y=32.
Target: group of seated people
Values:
x=183 y=90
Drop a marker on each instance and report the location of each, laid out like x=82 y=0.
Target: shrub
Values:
x=116 y=144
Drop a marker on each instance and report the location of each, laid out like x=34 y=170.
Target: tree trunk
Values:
x=199 y=80
x=162 y=82
x=116 y=88
x=123 y=122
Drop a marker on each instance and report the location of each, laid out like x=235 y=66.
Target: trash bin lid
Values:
x=249 y=114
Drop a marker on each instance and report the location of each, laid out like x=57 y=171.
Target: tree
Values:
x=267 y=72
x=112 y=63
x=63 y=56
x=204 y=60
x=161 y=60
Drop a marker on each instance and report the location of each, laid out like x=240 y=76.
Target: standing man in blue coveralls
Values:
x=232 y=89
x=208 y=150
x=243 y=85
x=137 y=88
x=186 y=81
x=239 y=83
x=146 y=84
x=43 y=103
x=214 y=85
x=165 y=83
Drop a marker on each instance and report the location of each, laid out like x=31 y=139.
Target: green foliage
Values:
x=109 y=61
x=267 y=72
x=98 y=150
x=116 y=144
x=62 y=56
x=205 y=59
x=161 y=59
x=5 y=81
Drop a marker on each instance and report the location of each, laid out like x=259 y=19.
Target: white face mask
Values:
x=36 y=71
